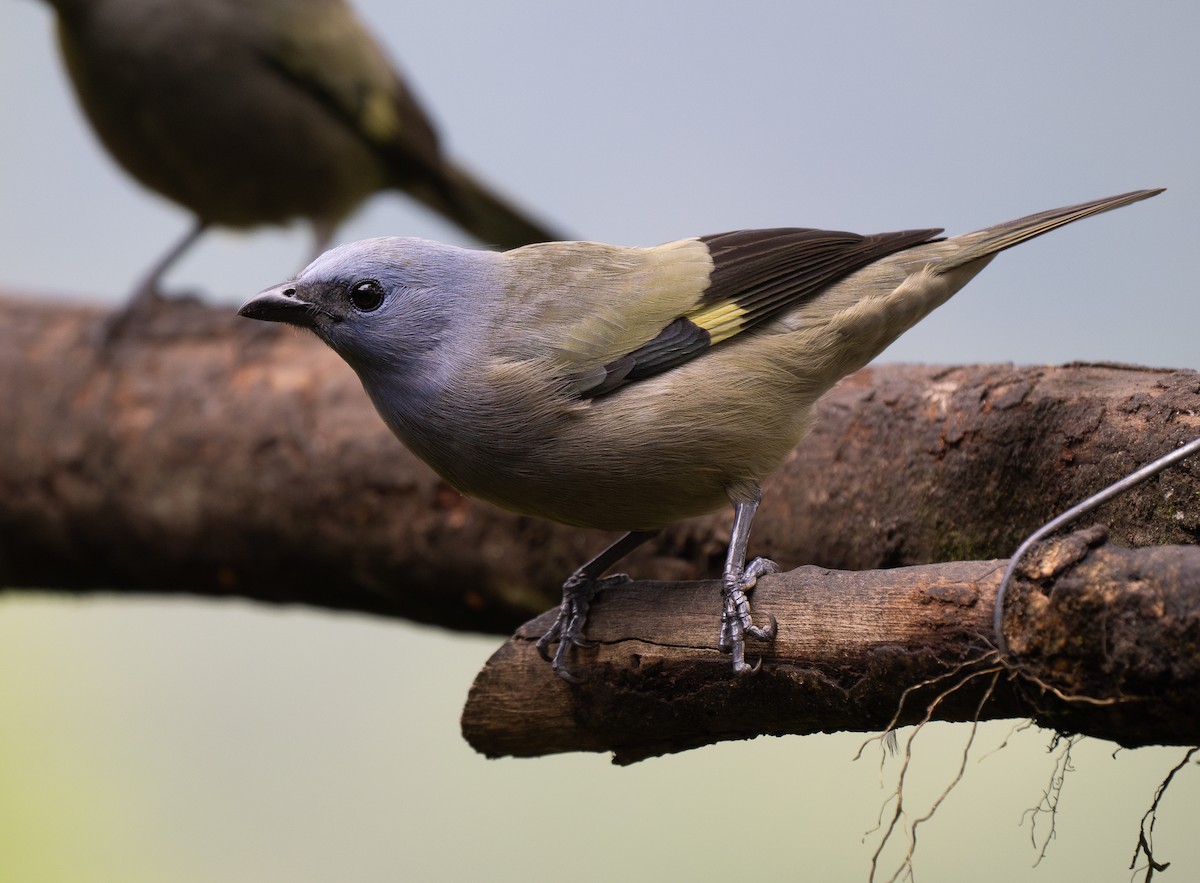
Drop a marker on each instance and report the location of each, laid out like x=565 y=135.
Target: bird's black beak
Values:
x=280 y=304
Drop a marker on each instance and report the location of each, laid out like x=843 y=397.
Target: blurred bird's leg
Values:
x=578 y=591
x=737 y=580
x=322 y=234
x=147 y=292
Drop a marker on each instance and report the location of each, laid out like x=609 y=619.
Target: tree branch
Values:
x=217 y=456
x=1104 y=642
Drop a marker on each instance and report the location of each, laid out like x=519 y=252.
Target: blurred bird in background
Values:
x=252 y=112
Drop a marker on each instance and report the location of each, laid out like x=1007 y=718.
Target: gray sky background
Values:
x=192 y=741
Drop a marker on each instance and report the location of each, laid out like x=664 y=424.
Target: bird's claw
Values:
x=736 y=623
x=744 y=670
x=136 y=311
x=567 y=630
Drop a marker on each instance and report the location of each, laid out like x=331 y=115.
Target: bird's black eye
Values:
x=367 y=296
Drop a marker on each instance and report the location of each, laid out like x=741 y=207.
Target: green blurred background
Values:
x=194 y=741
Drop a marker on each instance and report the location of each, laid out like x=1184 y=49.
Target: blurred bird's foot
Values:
x=135 y=318
x=147 y=296
x=735 y=614
x=136 y=311
x=578 y=592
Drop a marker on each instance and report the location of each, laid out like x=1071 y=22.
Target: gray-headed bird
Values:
x=251 y=112
x=628 y=388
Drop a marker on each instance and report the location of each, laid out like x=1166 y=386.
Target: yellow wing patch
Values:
x=722 y=321
x=378 y=118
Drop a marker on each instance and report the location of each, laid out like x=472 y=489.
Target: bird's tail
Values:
x=486 y=215
x=989 y=241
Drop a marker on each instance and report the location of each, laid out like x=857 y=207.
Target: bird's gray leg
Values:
x=147 y=291
x=578 y=591
x=738 y=579
x=322 y=234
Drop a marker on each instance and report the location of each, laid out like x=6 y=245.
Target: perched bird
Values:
x=628 y=388
x=251 y=112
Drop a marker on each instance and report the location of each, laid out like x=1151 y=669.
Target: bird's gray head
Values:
x=381 y=304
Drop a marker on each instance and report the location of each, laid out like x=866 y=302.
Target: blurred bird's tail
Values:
x=490 y=218
x=989 y=241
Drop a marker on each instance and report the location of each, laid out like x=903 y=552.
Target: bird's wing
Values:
x=337 y=61
x=339 y=64
x=635 y=313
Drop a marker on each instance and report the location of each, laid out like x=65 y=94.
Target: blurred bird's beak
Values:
x=279 y=304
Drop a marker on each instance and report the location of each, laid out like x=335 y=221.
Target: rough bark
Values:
x=1103 y=640
x=207 y=454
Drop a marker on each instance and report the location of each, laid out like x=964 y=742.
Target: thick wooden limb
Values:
x=1104 y=642
x=208 y=454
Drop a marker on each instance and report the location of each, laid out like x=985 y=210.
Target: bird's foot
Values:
x=578 y=592
x=735 y=614
x=135 y=313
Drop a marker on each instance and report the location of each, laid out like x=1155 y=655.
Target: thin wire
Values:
x=1113 y=490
